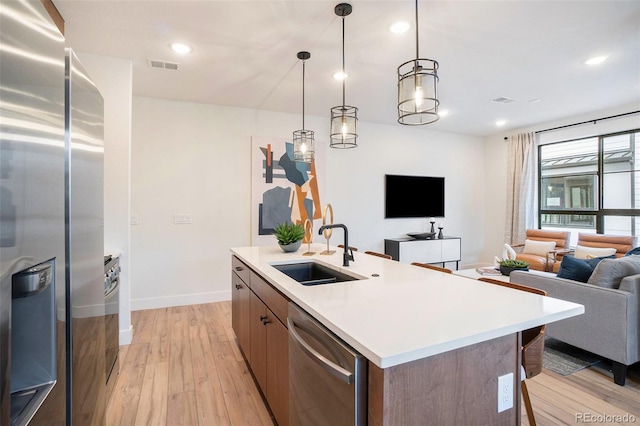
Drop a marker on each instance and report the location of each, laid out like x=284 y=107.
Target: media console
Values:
x=436 y=250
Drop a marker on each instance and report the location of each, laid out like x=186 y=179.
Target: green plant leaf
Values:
x=512 y=263
x=287 y=233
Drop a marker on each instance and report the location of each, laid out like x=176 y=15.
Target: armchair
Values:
x=595 y=245
x=540 y=258
x=622 y=243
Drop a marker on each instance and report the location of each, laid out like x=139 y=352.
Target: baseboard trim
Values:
x=126 y=336
x=474 y=265
x=181 y=300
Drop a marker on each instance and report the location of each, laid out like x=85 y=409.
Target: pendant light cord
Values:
x=417 y=42
x=303 y=68
x=344 y=76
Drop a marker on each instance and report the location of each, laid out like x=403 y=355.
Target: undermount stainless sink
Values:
x=312 y=273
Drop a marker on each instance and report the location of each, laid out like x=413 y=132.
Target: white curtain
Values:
x=521 y=182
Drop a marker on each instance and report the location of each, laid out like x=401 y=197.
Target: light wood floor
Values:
x=183 y=367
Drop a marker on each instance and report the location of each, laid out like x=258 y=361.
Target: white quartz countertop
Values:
x=405 y=312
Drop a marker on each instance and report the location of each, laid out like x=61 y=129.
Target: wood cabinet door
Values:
x=278 y=370
x=263 y=337
x=258 y=351
x=240 y=311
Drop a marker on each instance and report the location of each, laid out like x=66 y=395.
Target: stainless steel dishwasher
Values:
x=327 y=378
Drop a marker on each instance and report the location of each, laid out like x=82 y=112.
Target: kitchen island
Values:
x=436 y=343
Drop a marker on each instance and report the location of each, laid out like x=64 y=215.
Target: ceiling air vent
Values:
x=503 y=100
x=156 y=63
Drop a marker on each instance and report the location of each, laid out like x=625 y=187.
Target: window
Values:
x=591 y=185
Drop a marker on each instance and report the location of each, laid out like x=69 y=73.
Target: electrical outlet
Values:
x=134 y=219
x=181 y=219
x=505 y=392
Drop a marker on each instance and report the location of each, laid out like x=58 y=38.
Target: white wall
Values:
x=194 y=159
x=355 y=184
x=496 y=162
x=113 y=77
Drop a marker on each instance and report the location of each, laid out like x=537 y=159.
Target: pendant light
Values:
x=417 y=89
x=344 y=118
x=303 y=144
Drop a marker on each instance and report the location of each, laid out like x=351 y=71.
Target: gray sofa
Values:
x=609 y=327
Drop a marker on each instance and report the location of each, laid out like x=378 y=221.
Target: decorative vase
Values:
x=291 y=247
x=506 y=270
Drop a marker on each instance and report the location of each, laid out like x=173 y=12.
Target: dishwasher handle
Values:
x=334 y=369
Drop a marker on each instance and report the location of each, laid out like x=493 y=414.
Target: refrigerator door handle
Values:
x=334 y=369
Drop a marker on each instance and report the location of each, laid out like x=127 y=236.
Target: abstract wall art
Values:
x=282 y=190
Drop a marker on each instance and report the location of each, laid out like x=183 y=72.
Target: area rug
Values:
x=565 y=359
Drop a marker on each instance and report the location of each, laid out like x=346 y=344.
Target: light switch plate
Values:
x=182 y=219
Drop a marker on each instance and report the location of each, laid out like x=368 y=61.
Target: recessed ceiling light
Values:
x=340 y=75
x=399 y=27
x=443 y=112
x=503 y=100
x=596 y=60
x=500 y=123
x=181 y=48
x=534 y=101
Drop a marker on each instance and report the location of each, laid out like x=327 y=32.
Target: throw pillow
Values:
x=583 y=252
x=633 y=251
x=610 y=272
x=540 y=248
x=578 y=269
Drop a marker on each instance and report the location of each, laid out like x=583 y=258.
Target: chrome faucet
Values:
x=348 y=253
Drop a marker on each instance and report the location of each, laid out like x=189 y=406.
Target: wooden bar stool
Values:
x=373 y=253
x=435 y=268
x=532 y=347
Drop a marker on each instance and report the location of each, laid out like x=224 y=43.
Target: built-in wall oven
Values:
x=111 y=319
x=327 y=378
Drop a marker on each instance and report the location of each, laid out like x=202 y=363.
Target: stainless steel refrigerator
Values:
x=51 y=235
x=84 y=244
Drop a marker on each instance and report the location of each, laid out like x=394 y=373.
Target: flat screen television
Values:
x=413 y=196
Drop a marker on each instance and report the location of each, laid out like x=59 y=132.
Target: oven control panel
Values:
x=111 y=274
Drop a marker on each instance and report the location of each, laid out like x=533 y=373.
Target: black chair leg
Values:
x=619 y=373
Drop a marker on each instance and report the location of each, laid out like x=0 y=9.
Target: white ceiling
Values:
x=244 y=54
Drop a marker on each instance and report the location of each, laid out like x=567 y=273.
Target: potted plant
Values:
x=289 y=236
x=508 y=265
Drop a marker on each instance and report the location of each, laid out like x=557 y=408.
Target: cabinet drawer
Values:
x=241 y=269
x=275 y=301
